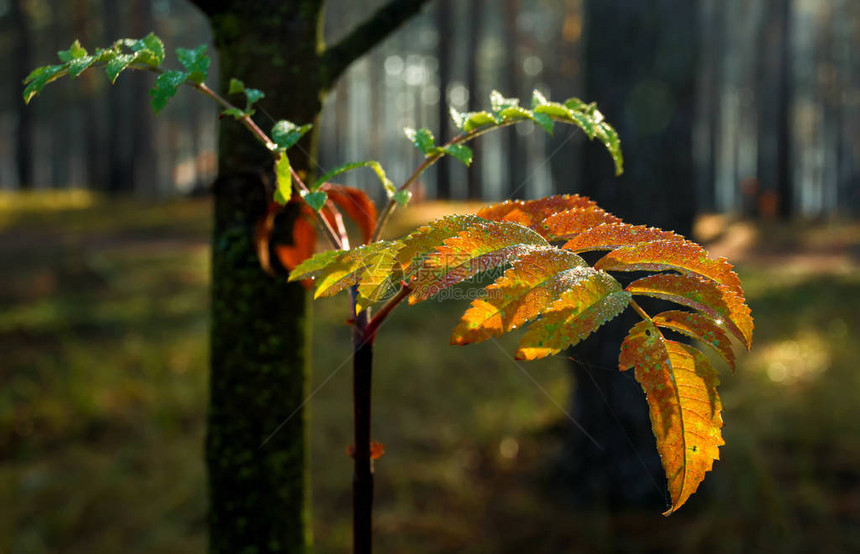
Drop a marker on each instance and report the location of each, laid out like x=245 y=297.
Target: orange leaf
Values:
x=303 y=246
x=662 y=255
x=357 y=205
x=565 y=225
x=698 y=327
x=609 y=236
x=712 y=299
x=478 y=249
x=533 y=282
x=579 y=311
x=681 y=388
x=531 y=213
x=377 y=449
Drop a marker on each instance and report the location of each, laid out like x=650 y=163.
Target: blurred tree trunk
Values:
x=444 y=27
x=19 y=17
x=784 y=177
x=474 y=185
x=640 y=68
x=120 y=175
x=515 y=153
x=83 y=23
x=256 y=446
x=142 y=172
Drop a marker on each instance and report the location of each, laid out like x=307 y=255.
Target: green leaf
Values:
x=423 y=139
x=515 y=112
x=576 y=104
x=40 y=77
x=118 y=64
x=538 y=99
x=286 y=133
x=474 y=120
x=233 y=112
x=546 y=123
x=165 y=88
x=403 y=197
x=316 y=199
x=284 y=180
x=252 y=95
x=152 y=44
x=236 y=86
x=459 y=151
x=367 y=266
x=79 y=65
x=390 y=190
x=196 y=62
x=499 y=102
x=458 y=118
x=609 y=138
x=74 y=52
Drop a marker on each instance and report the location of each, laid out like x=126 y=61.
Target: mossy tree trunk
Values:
x=256 y=446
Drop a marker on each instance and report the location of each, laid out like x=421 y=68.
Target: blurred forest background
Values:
x=776 y=126
x=104 y=228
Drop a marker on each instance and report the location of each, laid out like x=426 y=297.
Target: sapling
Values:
x=545 y=285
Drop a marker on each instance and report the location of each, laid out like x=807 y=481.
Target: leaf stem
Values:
x=642 y=313
x=386 y=212
x=386 y=309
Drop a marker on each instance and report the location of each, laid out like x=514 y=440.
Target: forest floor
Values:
x=103 y=330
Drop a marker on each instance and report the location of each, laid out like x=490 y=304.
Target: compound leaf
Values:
x=569 y=223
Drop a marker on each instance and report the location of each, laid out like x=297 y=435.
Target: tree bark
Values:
x=256 y=445
x=640 y=68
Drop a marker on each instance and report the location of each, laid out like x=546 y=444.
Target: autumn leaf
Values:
x=532 y=213
x=681 y=389
x=533 y=282
x=480 y=248
x=700 y=328
x=608 y=236
x=581 y=310
x=568 y=224
x=716 y=301
x=662 y=255
x=356 y=205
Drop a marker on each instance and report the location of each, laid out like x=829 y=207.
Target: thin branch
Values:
x=364 y=37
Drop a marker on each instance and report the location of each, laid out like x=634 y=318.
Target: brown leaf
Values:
x=263 y=235
x=698 y=327
x=303 y=246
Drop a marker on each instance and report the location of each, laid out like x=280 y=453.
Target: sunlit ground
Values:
x=103 y=322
